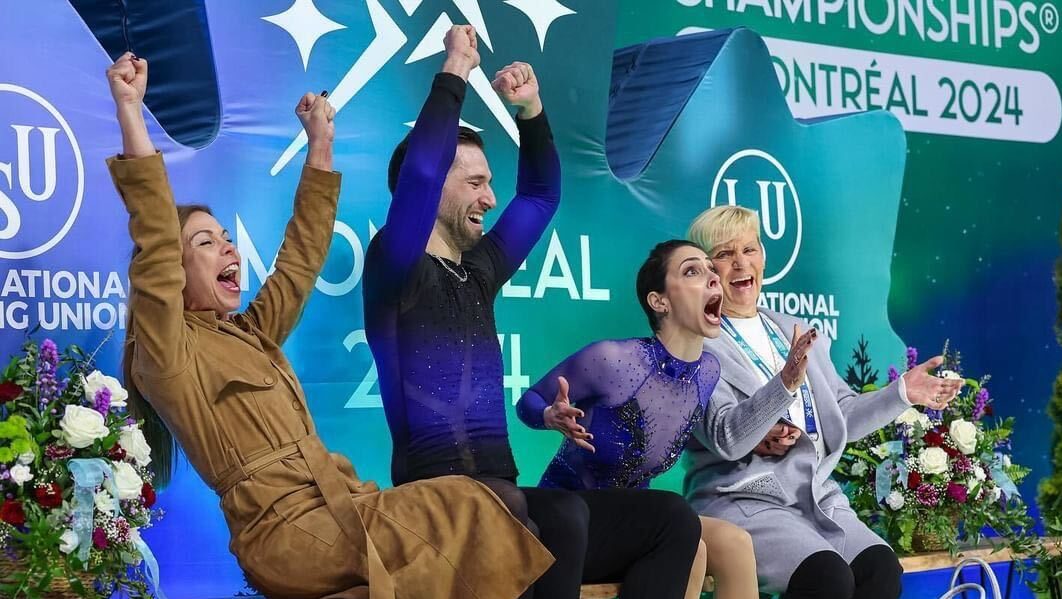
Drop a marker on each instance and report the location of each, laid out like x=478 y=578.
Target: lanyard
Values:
x=810 y=424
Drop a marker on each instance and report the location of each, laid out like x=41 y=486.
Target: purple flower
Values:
x=47 y=362
x=912 y=358
x=893 y=373
x=927 y=495
x=980 y=402
x=103 y=400
x=935 y=415
x=58 y=452
x=99 y=538
x=957 y=492
x=962 y=465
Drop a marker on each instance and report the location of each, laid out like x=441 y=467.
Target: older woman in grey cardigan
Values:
x=776 y=426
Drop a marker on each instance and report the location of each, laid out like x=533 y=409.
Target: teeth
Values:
x=476 y=218
x=230 y=269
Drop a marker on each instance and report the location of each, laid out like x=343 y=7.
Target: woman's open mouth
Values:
x=713 y=309
x=229 y=278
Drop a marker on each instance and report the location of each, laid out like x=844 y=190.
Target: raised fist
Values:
x=517 y=85
x=128 y=80
x=317 y=117
x=461 y=45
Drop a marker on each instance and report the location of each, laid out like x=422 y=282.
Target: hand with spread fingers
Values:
x=779 y=440
x=561 y=417
x=926 y=389
x=796 y=365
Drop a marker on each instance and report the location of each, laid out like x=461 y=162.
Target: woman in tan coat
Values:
x=302 y=523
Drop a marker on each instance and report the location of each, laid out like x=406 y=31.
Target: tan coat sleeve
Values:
x=279 y=303
x=156 y=273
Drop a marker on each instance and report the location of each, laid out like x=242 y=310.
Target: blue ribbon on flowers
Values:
x=1001 y=479
x=883 y=473
x=88 y=475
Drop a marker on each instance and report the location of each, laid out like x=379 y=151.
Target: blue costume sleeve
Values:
x=415 y=202
x=538 y=189
x=590 y=374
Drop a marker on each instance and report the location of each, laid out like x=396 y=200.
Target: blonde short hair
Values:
x=721 y=224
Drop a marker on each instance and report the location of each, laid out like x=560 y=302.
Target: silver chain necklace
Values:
x=442 y=262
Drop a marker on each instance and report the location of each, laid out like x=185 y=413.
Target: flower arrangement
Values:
x=74 y=480
x=935 y=478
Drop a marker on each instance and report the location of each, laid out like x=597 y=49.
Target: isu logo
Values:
x=756 y=180
x=37 y=206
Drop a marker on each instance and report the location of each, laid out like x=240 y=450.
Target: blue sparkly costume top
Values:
x=429 y=321
x=640 y=403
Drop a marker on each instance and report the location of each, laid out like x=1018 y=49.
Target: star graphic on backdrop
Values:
x=305 y=24
x=542 y=14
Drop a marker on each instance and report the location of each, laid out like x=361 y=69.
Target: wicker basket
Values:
x=924 y=542
x=59 y=588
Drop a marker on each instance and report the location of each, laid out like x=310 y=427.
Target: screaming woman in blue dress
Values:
x=627 y=407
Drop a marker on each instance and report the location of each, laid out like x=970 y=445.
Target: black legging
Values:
x=645 y=540
x=873 y=574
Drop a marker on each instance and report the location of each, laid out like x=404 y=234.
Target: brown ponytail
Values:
x=163 y=446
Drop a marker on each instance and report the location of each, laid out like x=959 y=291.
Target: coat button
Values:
x=269 y=380
x=296 y=406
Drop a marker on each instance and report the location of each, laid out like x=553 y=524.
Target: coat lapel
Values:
x=732 y=364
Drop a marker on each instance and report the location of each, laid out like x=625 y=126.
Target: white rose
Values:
x=979 y=473
x=105 y=502
x=908 y=417
x=964 y=434
x=135 y=445
x=96 y=381
x=995 y=493
x=933 y=460
x=925 y=422
x=27 y=458
x=20 y=473
x=895 y=500
x=128 y=481
x=69 y=541
x=859 y=468
x=81 y=426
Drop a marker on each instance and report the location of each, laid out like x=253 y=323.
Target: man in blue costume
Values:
x=431 y=277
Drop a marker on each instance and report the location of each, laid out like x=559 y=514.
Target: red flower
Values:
x=9 y=391
x=99 y=538
x=49 y=495
x=913 y=480
x=933 y=438
x=951 y=451
x=989 y=411
x=147 y=495
x=117 y=454
x=12 y=513
x=957 y=492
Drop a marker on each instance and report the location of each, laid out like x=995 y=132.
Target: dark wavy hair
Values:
x=465 y=136
x=652 y=276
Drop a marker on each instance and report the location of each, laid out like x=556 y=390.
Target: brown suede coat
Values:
x=302 y=523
